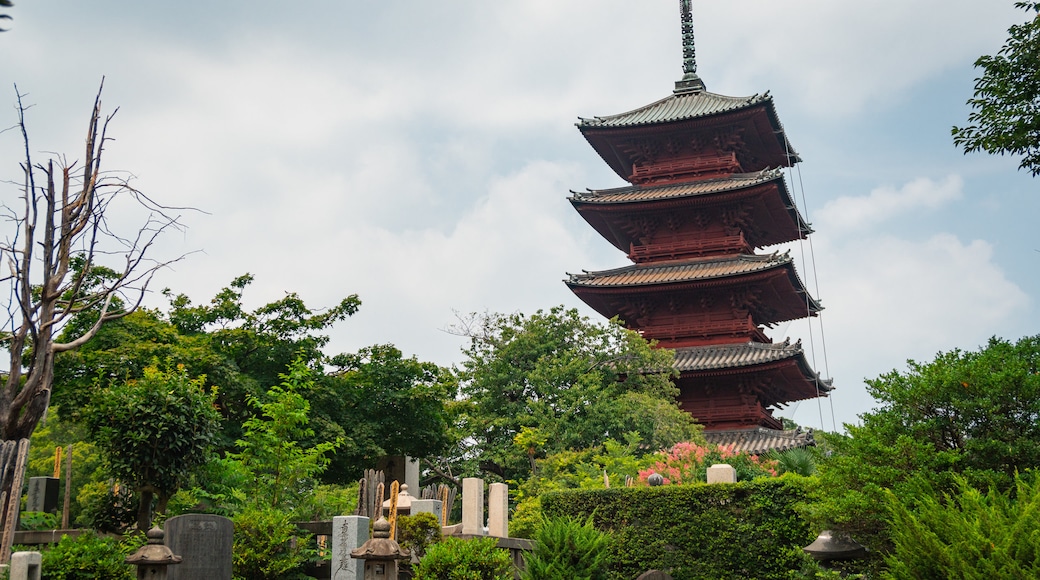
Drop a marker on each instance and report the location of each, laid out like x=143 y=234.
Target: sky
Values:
x=420 y=155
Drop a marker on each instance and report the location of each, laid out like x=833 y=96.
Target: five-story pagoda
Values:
x=705 y=192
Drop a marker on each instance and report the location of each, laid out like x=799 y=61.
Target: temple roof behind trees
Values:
x=760 y=440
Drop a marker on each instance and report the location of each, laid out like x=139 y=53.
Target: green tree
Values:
x=970 y=413
x=382 y=404
x=1005 y=115
x=360 y=401
x=240 y=352
x=153 y=432
x=573 y=382
x=280 y=471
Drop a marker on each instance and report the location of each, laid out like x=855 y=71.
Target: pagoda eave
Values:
x=783 y=296
x=772 y=217
x=760 y=144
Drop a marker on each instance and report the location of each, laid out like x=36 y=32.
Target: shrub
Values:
x=264 y=546
x=88 y=557
x=744 y=530
x=567 y=549
x=965 y=533
x=37 y=521
x=458 y=559
x=417 y=533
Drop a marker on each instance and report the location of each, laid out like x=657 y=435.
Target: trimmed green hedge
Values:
x=742 y=530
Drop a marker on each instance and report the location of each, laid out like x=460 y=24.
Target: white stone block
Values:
x=26 y=566
x=722 y=473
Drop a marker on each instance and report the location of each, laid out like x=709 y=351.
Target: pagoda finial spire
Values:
x=690 y=83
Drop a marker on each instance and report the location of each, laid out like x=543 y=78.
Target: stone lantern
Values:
x=152 y=558
x=404 y=503
x=830 y=547
x=381 y=554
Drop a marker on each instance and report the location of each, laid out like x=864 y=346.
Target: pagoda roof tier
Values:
x=621 y=214
x=761 y=440
x=691 y=134
x=784 y=296
x=734 y=360
x=727 y=357
x=760 y=375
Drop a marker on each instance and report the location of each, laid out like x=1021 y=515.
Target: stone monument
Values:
x=203 y=541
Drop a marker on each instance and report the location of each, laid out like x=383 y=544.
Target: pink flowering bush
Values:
x=689 y=463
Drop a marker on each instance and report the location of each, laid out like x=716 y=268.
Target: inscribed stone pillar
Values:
x=203 y=541
x=473 y=506
x=498 y=510
x=722 y=473
x=25 y=566
x=348 y=534
x=431 y=506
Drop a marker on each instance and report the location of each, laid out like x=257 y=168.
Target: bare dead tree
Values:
x=64 y=261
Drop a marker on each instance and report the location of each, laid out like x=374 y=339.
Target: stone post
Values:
x=411 y=473
x=25 y=566
x=498 y=510
x=722 y=473
x=473 y=506
x=348 y=534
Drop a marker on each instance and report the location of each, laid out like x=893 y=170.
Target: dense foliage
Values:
x=1005 y=115
x=416 y=533
x=268 y=546
x=242 y=352
x=88 y=557
x=560 y=382
x=567 y=549
x=281 y=471
x=744 y=530
x=965 y=533
x=971 y=413
x=472 y=559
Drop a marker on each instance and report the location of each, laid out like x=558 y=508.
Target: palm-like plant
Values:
x=799 y=460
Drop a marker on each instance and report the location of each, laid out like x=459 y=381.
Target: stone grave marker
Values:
x=204 y=542
x=348 y=534
x=473 y=506
x=43 y=495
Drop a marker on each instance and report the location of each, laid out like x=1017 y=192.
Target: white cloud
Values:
x=885 y=202
x=889 y=299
